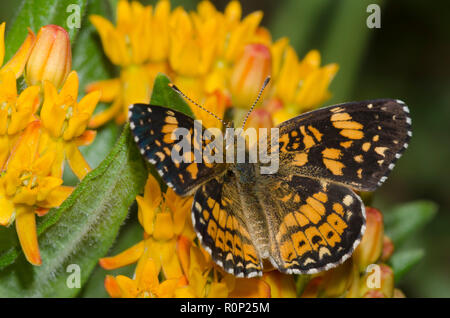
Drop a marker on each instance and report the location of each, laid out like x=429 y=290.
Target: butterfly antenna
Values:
x=266 y=81
x=176 y=89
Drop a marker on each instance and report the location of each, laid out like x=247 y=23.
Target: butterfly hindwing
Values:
x=153 y=128
x=314 y=225
x=218 y=220
x=354 y=143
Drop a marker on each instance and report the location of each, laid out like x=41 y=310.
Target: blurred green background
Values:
x=407 y=58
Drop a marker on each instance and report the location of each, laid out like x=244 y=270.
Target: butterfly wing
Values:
x=154 y=129
x=356 y=144
x=314 y=225
x=218 y=219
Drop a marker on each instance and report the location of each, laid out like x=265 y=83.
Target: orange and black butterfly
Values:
x=306 y=217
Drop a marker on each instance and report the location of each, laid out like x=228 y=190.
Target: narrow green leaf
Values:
x=403 y=261
x=83 y=228
x=404 y=220
x=130 y=234
x=163 y=95
x=37 y=13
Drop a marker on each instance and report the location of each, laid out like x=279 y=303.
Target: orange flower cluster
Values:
x=220 y=59
x=39 y=129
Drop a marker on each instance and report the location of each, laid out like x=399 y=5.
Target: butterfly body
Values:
x=305 y=217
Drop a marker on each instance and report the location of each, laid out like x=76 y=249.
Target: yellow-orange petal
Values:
x=185 y=292
x=103 y=117
x=146 y=214
x=76 y=126
x=163 y=228
x=127 y=287
x=125 y=18
x=112 y=287
x=167 y=288
x=281 y=285
x=183 y=249
x=337 y=281
x=26 y=230
x=47 y=185
x=77 y=163
x=42 y=165
x=4 y=150
x=52 y=115
x=242 y=35
x=56 y=197
x=277 y=50
x=88 y=103
x=169 y=261
x=127 y=257
x=7 y=210
x=26 y=148
x=152 y=191
x=159 y=32
x=18 y=61
x=69 y=91
x=233 y=11
x=218 y=290
x=26 y=105
x=86 y=138
x=105 y=30
x=314 y=89
x=250 y=288
x=146 y=274
x=109 y=89
x=310 y=63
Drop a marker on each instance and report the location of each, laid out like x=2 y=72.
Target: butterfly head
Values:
x=226 y=124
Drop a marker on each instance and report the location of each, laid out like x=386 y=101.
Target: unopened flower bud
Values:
x=249 y=74
x=50 y=58
x=369 y=251
x=378 y=283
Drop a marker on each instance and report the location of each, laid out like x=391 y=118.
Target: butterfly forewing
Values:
x=154 y=130
x=356 y=144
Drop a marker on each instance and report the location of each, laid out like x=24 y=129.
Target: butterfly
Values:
x=306 y=217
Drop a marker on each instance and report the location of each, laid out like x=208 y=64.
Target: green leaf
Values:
x=130 y=234
x=404 y=220
x=163 y=95
x=83 y=228
x=403 y=261
x=37 y=13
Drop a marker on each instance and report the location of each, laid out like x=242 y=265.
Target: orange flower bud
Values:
x=249 y=73
x=50 y=58
x=388 y=248
x=337 y=281
x=259 y=118
x=369 y=251
x=378 y=283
